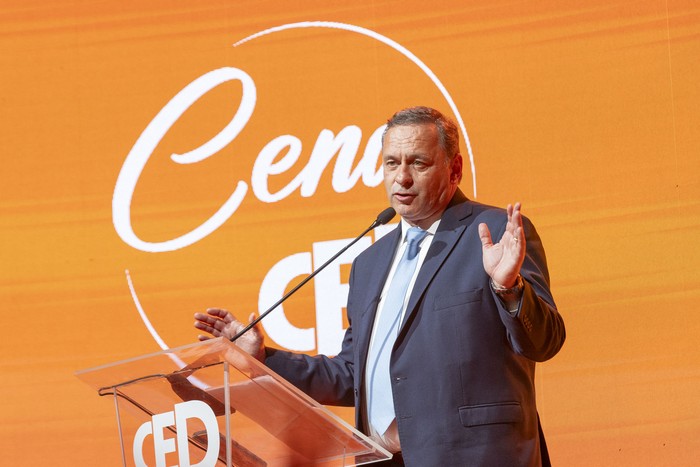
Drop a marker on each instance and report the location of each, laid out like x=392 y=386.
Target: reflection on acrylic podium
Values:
x=210 y=404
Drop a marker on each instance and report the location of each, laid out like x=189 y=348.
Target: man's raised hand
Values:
x=221 y=323
x=502 y=260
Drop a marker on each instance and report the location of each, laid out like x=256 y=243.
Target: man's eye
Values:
x=390 y=163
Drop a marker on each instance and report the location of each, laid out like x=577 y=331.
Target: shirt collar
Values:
x=405 y=226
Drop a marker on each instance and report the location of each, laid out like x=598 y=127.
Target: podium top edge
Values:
x=215 y=344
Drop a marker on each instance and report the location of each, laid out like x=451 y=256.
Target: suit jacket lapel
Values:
x=449 y=231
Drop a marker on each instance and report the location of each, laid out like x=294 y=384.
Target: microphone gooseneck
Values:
x=383 y=217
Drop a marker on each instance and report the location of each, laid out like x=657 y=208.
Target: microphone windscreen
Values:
x=385 y=216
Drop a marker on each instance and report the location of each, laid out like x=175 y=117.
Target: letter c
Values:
x=139 y=438
x=272 y=289
x=151 y=137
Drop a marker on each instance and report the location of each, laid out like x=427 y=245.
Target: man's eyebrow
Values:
x=411 y=155
x=419 y=155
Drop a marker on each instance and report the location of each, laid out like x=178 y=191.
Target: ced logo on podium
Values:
x=155 y=429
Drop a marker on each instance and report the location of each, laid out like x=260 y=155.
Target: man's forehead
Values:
x=410 y=134
x=427 y=127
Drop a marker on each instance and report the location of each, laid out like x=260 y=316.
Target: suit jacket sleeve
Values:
x=328 y=380
x=536 y=331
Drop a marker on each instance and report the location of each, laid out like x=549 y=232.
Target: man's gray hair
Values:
x=448 y=134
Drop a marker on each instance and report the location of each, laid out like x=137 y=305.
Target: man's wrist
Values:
x=510 y=295
x=498 y=288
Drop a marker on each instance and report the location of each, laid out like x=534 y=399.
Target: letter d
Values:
x=200 y=410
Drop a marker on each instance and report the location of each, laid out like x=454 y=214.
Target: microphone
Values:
x=383 y=217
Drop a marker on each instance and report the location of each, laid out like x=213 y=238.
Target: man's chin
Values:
x=404 y=211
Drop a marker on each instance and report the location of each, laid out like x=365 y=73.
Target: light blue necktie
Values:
x=381 y=402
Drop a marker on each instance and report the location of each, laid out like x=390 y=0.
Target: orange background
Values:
x=587 y=111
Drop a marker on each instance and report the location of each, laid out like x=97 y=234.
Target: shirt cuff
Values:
x=510 y=298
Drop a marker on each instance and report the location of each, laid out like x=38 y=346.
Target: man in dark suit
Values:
x=457 y=384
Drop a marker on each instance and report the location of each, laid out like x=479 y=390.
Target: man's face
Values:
x=418 y=177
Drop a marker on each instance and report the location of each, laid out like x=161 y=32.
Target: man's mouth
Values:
x=404 y=198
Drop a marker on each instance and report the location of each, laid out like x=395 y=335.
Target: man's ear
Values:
x=456 y=169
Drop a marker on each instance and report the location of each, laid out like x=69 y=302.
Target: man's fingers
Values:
x=485 y=235
x=205 y=320
x=210 y=324
x=204 y=325
x=252 y=318
x=218 y=322
x=215 y=316
x=218 y=312
x=516 y=216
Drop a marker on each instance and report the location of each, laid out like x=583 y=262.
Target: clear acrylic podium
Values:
x=210 y=404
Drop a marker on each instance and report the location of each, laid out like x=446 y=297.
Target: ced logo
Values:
x=180 y=444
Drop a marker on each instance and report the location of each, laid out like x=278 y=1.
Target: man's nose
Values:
x=403 y=176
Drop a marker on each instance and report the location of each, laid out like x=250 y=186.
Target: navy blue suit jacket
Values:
x=462 y=367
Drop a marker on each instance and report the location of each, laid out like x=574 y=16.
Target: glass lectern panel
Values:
x=210 y=404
